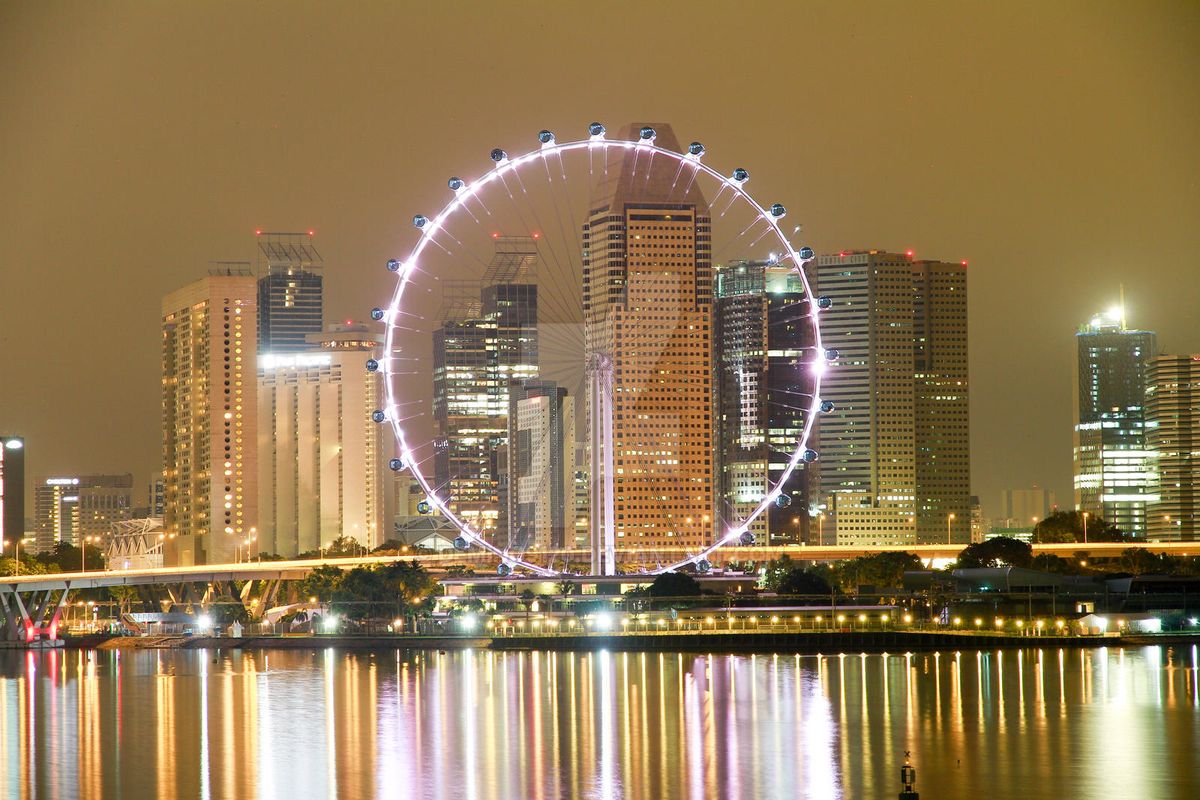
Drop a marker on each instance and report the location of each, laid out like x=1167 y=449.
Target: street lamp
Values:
x=83 y=543
x=16 y=550
x=1085 y=516
x=821 y=528
x=949 y=519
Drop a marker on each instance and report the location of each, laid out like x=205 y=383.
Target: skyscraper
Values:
x=290 y=297
x=12 y=490
x=1113 y=466
x=320 y=456
x=209 y=416
x=940 y=393
x=647 y=296
x=487 y=341
x=72 y=509
x=868 y=473
x=1173 y=434
x=759 y=341
x=541 y=466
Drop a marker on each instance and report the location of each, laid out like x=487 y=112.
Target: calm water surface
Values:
x=1107 y=723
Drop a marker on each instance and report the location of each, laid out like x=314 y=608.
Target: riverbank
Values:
x=807 y=643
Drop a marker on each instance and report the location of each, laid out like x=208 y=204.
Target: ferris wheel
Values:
x=568 y=290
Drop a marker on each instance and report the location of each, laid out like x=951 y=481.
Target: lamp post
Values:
x=83 y=543
x=821 y=528
x=949 y=519
x=1085 y=516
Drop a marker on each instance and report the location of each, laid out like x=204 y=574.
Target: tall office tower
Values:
x=72 y=509
x=868 y=476
x=1173 y=434
x=290 y=298
x=209 y=416
x=1022 y=508
x=580 y=507
x=942 y=419
x=12 y=491
x=487 y=341
x=321 y=458
x=156 y=496
x=1114 y=473
x=647 y=296
x=759 y=355
x=541 y=466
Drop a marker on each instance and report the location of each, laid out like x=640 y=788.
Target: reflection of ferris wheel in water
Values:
x=637 y=243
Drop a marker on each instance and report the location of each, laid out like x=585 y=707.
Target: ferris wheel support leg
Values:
x=610 y=526
x=595 y=515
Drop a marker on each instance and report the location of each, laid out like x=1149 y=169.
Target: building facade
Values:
x=1173 y=435
x=647 y=298
x=760 y=342
x=290 y=292
x=1114 y=469
x=868 y=476
x=479 y=351
x=209 y=416
x=76 y=509
x=940 y=402
x=12 y=490
x=321 y=458
x=541 y=467
x=1024 y=508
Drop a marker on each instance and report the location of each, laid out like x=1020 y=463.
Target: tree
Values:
x=996 y=552
x=884 y=570
x=801 y=581
x=776 y=571
x=527 y=598
x=1047 y=562
x=410 y=580
x=321 y=583
x=675 y=584
x=1139 y=561
x=1067 y=526
x=567 y=587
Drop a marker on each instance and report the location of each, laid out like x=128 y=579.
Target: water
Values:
x=1033 y=724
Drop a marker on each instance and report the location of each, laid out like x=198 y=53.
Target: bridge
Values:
x=31 y=606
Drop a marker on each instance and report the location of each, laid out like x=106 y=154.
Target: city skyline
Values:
x=1047 y=212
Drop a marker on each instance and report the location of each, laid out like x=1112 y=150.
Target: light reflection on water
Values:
x=1033 y=724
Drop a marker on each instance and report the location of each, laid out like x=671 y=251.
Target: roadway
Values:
x=645 y=558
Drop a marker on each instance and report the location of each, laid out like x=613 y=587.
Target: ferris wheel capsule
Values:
x=695 y=149
x=647 y=134
x=703 y=565
x=806 y=254
x=499 y=156
x=546 y=138
x=376 y=314
x=778 y=211
x=504 y=570
x=395 y=464
x=460 y=543
x=746 y=539
x=596 y=130
x=420 y=221
x=456 y=184
x=740 y=176
x=393 y=265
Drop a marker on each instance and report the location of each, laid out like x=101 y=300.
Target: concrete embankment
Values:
x=713 y=642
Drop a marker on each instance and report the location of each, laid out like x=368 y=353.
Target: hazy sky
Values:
x=1054 y=145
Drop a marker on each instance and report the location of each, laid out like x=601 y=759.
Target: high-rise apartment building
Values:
x=12 y=490
x=868 y=474
x=210 y=416
x=760 y=339
x=77 y=508
x=941 y=414
x=290 y=295
x=541 y=466
x=1173 y=434
x=321 y=458
x=1114 y=470
x=647 y=298
x=487 y=342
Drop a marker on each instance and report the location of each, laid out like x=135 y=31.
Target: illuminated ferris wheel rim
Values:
x=464 y=191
